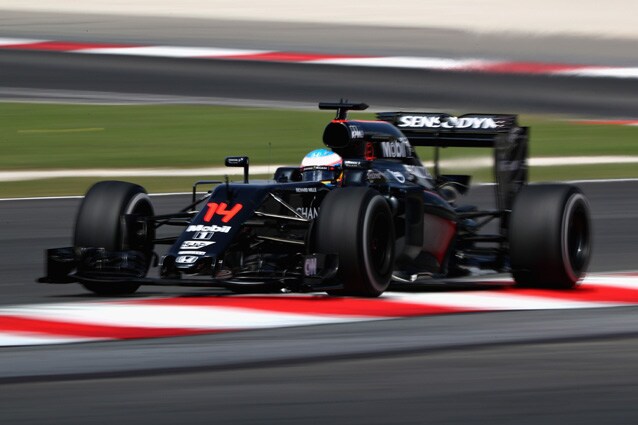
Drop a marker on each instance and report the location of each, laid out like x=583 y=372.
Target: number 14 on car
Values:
x=222 y=210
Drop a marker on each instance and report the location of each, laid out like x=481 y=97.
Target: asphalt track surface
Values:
x=575 y=366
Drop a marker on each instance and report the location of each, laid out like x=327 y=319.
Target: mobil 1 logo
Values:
x=205 y=233
x=203 y=236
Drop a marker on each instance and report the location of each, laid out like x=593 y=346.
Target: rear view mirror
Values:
x=238 y=161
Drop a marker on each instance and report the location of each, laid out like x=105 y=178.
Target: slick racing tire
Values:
x=356 y=224
x=550 y=236
x=100 y=224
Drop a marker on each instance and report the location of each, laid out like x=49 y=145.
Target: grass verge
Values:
x=51 y=136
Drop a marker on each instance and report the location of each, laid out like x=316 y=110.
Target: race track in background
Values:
x=51 y=76
x=481 y=65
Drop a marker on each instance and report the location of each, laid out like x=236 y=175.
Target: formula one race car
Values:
x=381 y=217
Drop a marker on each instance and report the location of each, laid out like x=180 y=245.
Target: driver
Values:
x=322 y=165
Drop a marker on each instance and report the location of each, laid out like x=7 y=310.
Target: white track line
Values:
x=493 y=300
x=596 y=72
x=407 y=62
x=8 y=339
x=627 y=282
x=132 y=172
x=163 y=316
x=172 y=51
x=464 y=163
x=18 y=41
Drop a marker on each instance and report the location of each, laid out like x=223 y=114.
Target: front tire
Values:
x=356 y=224
x=550 y=236
x=100 y=224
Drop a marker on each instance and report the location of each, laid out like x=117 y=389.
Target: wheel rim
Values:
x=379 y=245
x=576 y=243
x=140 y=238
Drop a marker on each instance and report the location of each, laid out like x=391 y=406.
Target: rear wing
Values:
x=498 y=131
x=444 y=130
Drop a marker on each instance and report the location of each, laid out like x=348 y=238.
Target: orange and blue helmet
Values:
x=322 y=165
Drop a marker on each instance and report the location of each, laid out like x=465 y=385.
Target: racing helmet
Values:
x=322 y=165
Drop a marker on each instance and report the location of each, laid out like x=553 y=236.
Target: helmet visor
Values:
x=311 y=174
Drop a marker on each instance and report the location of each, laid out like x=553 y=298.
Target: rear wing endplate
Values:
x=498 y=131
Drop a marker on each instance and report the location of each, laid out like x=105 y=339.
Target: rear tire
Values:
x=100 y=224
x=550 y=236
x=356 y=224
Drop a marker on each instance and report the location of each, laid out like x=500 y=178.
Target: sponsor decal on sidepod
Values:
x=396 y=149
x=309 y=213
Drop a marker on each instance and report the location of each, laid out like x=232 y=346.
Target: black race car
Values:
x=384 y=219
